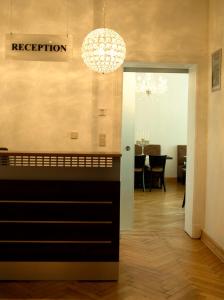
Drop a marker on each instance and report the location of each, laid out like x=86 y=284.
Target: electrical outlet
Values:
x=102 y=140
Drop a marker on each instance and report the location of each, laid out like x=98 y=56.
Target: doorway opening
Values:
x=130 y=133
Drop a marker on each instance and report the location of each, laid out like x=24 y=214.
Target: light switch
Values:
x=74 y=135
x=102 y=140
x=102 y=112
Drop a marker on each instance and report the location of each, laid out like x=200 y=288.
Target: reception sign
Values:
x=38 y=47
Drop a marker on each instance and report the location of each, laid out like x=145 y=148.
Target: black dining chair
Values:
x=140 y=170
x=4 y=160
x=152 y=149
x=156 y=170
x=138 y=149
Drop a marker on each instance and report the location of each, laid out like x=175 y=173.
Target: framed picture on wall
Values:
x=216 y=69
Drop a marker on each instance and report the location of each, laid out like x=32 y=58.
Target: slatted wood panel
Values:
x=158 y=261
x=11 y=159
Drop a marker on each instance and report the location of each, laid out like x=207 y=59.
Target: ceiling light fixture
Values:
x=151 y=84
x=103 y=49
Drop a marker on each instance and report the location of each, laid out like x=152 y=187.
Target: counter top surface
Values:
x=47 y=153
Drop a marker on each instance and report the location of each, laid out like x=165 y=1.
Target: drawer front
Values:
x=56 y=211
x=11 y=251
x=59 y=220
x=86 y=231
x=58 y=190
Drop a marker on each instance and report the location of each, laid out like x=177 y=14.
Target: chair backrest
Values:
x=157 y=161
x=181 y=153
x=139 y=161
x=138 y=149
x=152 y=149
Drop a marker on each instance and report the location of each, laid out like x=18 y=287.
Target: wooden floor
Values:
x=157 y=261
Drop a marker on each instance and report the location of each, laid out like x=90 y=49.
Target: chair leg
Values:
x=183 y=204
x=143 y=181
x=164 y=185
x=150 y=182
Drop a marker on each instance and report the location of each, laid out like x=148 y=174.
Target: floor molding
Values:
x=213 y=246
x=58 y=270
x=171 y=179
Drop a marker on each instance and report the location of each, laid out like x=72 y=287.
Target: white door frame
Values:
x=191 y=227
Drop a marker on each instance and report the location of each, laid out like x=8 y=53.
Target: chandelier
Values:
x=151 y=83
x=103 y=49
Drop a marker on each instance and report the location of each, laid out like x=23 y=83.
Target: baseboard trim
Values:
x=59 y=270
x=213 y=246
x=171 y=179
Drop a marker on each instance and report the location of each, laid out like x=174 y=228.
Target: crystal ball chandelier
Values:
x=103 y=50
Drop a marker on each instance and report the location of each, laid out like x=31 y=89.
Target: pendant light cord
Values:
x=10 y=17
x=104 y=13
x=67 y=16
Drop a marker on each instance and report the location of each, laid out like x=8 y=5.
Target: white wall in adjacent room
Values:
x=161 y=112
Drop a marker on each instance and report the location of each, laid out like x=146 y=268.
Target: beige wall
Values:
x=214 y=221
x=41 y=102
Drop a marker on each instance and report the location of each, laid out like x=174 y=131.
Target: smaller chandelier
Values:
x=103 y=50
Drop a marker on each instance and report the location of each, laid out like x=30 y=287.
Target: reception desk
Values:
x=59 y=216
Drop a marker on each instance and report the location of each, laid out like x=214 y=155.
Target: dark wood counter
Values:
x=59 y=215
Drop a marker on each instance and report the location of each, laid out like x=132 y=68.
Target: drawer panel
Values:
x=58 y=252
x=60 y=231
x=63 y=211
x=58 y=190
x=59 y=220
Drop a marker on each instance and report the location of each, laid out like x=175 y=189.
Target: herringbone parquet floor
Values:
x=157 y=261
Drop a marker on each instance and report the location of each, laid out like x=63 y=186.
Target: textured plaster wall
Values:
x=214 y=221
x=41 y=102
